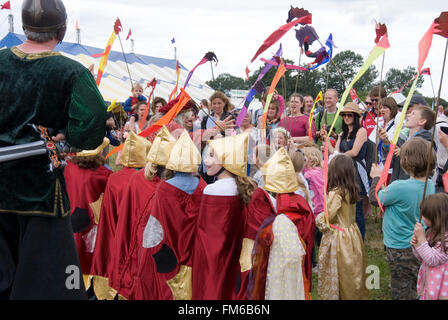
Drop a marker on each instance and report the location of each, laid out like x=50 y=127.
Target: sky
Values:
x=235 y=29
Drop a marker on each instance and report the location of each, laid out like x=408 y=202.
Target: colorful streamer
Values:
x=252 y=92
x=279 y=33
x=377 y=51
x=152 y=84
x=209 y=56
x=105 y=55
x=166 y=119
x=174 y=92
x=319 y=97
x=280 y=72
x=440 y=27
x=393 y=144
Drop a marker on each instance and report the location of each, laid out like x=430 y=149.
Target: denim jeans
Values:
x=360 y=218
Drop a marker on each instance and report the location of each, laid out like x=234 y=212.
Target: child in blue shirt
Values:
x=137 y=91
x=402 y=210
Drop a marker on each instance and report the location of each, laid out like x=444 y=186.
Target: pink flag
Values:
x=129 y=34
x=6 y=5
x=280 y=32
x=424 y=45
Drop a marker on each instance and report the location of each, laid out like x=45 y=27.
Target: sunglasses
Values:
x=349 y=115
x=367 y=103
x=374 y=100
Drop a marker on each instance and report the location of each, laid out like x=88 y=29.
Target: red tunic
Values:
x=85 y=186
x=113 y=194
x=298 y=210
x=260 y=208
x=218 y=243
x=177 y=213
x=133 y=216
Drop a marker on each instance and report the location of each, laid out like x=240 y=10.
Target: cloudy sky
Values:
x=234 y=29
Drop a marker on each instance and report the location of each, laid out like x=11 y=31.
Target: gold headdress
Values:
x=134 y=151
x=279 y=174
x=94 y=152
x=232 y=153
x=161 y=147
x=185 y=156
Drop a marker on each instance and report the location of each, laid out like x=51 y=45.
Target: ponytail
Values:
x=246 y=187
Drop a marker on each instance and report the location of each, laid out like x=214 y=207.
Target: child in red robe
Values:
x=133 y=158
x=220 y=226
x=168 y=239
x=278 y=269
x=86 y=178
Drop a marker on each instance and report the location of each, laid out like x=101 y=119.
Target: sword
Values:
x=23 y=151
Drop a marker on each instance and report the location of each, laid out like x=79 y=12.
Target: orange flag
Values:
x=167 y=118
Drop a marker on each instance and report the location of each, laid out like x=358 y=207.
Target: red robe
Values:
x=218 y=243
x=133 y=216
x=259 y=208
x=113 y=194
x=298 y=210
x=177 y=212
x=85 y=186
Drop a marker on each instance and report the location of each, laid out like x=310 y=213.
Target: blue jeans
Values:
x=360 y=218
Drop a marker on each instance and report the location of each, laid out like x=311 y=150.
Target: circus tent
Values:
x=115 y=83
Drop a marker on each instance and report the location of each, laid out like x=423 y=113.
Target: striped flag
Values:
x=105 y=55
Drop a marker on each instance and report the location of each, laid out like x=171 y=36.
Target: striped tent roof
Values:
x=115 y=83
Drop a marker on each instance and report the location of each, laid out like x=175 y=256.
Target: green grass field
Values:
x=376 y=256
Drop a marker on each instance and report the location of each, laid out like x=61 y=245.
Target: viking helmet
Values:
x=44 y=16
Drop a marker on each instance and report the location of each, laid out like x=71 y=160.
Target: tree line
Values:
x=311 y=82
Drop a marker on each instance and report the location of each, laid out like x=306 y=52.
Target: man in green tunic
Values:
x=42 y=89
x=325 y=118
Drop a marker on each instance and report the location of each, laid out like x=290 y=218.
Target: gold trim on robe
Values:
x=87 y=281
x=246 y=254
x=96 y=208
x=102 y=289
x=182 y=284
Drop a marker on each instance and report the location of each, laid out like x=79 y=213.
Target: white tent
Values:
x=115 y=83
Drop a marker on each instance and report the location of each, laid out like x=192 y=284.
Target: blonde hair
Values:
x=314 y=156
x=136 y=85
x=298 y=161
x=150 y=171
x=246 y=187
